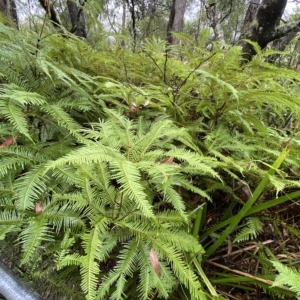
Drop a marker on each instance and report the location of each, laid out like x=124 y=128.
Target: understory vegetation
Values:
x=170 y=172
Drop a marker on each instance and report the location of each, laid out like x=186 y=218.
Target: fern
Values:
x=32 y=237
x=251 y=230
x=130 y=200
x=109 y=206
x=110 y=150
x=31 y=186
x=287 y=276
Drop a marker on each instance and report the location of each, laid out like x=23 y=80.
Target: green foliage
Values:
x=115 y=203
x=109 y=160
x=251 y=230
x=287 y=276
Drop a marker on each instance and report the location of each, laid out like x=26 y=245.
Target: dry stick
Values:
x=229 y=296
x=269 y=282
x=242 y=250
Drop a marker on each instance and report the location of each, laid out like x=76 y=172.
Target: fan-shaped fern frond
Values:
x=251 y=230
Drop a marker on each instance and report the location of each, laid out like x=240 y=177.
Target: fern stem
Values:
x=120 y=205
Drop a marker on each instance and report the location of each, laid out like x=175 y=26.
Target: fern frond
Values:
x=65 y=217
x=129 y=176
x=10 y=220
x=199 y=163
x=149 y=279
x=33 y=236
x=126 y=266
x=181 y=181
x=287 y=276
x=69 y=260
x=145 y=278
x=251 y=230
x=89 y=267
x=9 y=217
x=181 y=269
x=17 y=157
x=156 y=136
x=7 y=229
x=87 y=155
x=30 y=187
x=180 y=241
x=172 y=197
x=105 y=286
x=62 y=118
x=13 y=112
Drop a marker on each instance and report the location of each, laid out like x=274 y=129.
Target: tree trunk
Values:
x=263 y=29
x=176 y=20
x=123 y=16
x=77 y=19
x=131 y=7
x=49 y=9
x=280 y=45
x=215 y=22
x=8 y=7
x=249 y=18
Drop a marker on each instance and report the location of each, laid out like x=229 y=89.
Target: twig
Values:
x=269 y=282
x=193 y=71
x=242 y=250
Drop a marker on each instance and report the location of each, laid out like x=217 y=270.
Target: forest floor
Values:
x=244 y=261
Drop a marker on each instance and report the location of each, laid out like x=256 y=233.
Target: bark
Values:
x=215 y=22
x=131 y=6
x=218 y=33
x=281 y=44
x=8 y=7
x=152 y=8
x=249 y=17
x=176 y=20
x=217 y=12
x=77 y=19
x=298 y=61
x=124 y=15
x=263 y=29
x=51 y=12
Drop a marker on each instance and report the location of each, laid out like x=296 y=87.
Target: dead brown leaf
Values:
x=155 y=262
x=168 y=160
x=38 y=208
